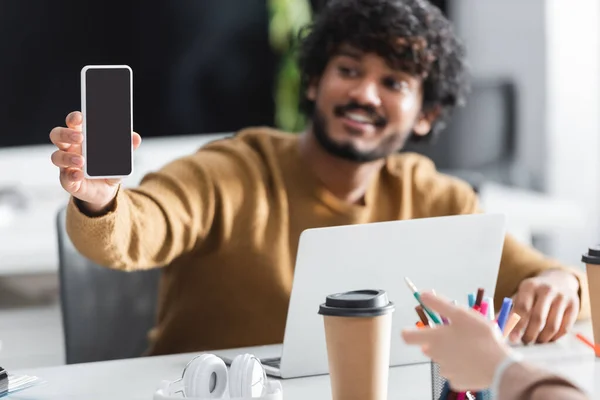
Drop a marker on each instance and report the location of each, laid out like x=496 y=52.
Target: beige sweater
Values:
x=225 y=222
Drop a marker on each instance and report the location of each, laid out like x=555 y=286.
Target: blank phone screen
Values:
x=108 y=121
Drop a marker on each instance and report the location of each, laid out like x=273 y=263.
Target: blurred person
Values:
x=224 y=223
x=473 y=356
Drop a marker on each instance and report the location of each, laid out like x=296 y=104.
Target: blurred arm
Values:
x=522 y=381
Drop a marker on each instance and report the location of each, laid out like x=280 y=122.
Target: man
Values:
x=225 y=222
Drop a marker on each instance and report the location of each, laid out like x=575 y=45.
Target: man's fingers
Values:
x=113 y=182
x=136 y=140
x=420 y=336
x=523 y=301
x=71 y=179
x=568 y=320
x=522 y=304
x=74 y=120
x=517 y=332
x=539 y=313
x=63 y=159
x=554 y=321
x=63 y=138
x=440 y=305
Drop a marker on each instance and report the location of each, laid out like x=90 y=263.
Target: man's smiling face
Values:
x=364 y=109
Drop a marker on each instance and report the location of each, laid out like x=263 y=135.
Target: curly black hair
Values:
x=412 y=35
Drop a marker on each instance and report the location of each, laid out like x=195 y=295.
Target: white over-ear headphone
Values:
x=206 y=377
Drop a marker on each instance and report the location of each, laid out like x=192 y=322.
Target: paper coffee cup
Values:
x=358 y=328
x=592 y=268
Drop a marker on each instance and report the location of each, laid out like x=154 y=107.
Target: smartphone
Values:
x=107 y=108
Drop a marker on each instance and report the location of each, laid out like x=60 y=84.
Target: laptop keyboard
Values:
x=274 y=362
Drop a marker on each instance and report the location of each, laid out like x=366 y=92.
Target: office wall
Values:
x=573 y=117
x=506 y=39
x=551 y=48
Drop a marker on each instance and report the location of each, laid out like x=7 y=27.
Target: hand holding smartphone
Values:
x=95 y=148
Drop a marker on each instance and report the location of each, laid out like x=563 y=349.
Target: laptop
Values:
x=454 y=255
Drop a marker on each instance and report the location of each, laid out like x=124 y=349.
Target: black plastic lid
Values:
x=358 y=303
x=592 y=256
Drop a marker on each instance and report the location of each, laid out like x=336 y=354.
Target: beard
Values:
x=348 y=151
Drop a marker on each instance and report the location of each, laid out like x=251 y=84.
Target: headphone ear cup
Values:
x=202 y=374
x=245 y=377
x=234 y=377
x=240 y=376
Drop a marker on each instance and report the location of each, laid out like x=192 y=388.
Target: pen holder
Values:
x=440 y=389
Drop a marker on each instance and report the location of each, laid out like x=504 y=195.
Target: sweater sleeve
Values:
x=522 y=381
x=447 y=195
x=152 y=224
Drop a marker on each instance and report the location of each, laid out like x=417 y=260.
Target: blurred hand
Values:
x=548 y=305
x=468 y=350
x=96 y=194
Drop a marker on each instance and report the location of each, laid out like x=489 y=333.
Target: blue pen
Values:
x=504 y=313
x=471 y=300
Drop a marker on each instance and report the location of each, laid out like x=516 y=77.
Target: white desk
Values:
x=135 y=379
